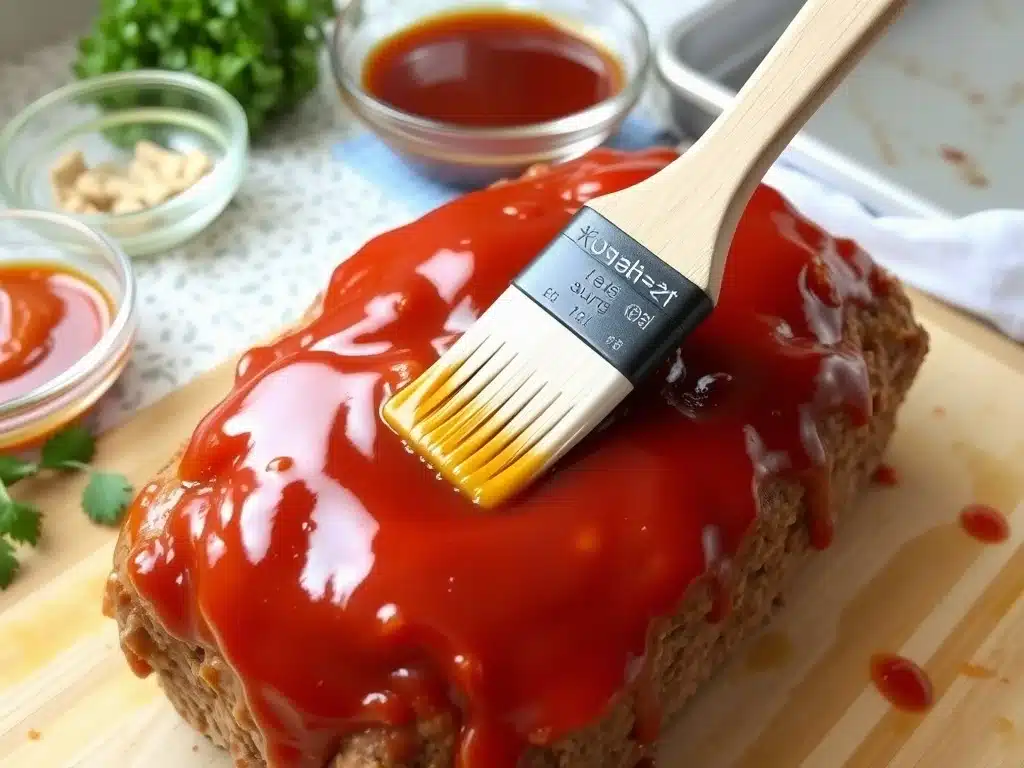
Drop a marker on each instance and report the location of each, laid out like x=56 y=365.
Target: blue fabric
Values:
x=376 y=163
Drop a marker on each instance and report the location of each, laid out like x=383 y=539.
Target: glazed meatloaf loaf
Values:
x=309 y=594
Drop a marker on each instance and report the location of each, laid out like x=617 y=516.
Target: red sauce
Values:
x=49 y=320
x=349 y=587
x=447 y=68
x=886 y=474
x=902 y=682
x=985 y=523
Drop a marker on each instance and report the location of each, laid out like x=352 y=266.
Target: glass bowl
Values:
x=478 y=156
x=40 y=237
x=103 y=117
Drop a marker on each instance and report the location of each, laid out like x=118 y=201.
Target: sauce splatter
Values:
x=967 y=167
x=34 y=735
x=977 y=671
x=985 y=523
x=771 y=650
x=885 y=474
x=902 y=682
x=1004 y=726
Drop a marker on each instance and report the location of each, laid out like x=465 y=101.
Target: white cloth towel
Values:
x=975 y=262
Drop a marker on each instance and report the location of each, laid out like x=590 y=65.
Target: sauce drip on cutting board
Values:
x=986 y=524
x=886 y=474
x=49 y=320
x=350 y=588
x=902 y=682
x=491 y=68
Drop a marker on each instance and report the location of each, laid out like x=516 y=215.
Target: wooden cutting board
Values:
x=902 y=577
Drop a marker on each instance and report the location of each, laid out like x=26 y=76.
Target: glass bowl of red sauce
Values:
x=472 y=92
x=67 y=322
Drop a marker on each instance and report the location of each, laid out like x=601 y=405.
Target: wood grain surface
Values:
x=902 y=577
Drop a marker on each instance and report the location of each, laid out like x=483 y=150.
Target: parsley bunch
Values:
x=265 y=53
x=103 y=500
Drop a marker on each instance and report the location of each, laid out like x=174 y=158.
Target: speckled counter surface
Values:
x=301 y=210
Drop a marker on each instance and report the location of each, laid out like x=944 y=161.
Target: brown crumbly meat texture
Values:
x=683 y=651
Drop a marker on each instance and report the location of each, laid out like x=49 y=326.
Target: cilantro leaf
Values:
x=265 y=53
x=8 y=563
x=106 y=496
x=68 y=449
x=20 y=522
x=13 y=469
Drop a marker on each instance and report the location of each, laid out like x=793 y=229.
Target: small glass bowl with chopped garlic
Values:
x=148 y=157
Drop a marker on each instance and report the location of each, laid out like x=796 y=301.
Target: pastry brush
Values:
x=628 y=278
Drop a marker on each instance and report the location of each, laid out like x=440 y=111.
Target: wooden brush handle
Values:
x=687 y=213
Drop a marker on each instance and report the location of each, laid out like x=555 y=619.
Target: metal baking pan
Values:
x=930 y=123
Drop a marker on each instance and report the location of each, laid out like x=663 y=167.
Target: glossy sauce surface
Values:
x=986 y=524
x=490 y=68
x=886 y=474
x=349 y=587
x=902 y=682
x=49 y=319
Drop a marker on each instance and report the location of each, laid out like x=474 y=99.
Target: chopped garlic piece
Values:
x=92 y=185
x=67 y=169
x=197 y=165
x=154 y=175
x=127 y=205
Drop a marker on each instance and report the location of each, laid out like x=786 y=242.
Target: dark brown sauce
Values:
x=490 y=68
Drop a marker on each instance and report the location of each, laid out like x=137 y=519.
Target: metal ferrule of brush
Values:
x=628 y=305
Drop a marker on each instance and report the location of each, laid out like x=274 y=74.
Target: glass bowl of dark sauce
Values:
x=471 y=93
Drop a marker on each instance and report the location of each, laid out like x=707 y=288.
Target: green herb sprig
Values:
x=104 y=498
x=265 y=53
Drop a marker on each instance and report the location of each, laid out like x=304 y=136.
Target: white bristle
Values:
x=507 y=400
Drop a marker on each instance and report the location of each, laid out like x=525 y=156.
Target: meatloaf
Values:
x=359 y=614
